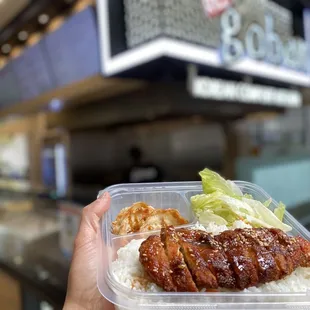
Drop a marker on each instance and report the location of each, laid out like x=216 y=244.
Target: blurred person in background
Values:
x=142 y=172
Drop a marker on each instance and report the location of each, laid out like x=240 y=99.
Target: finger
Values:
x=96 y=209
x=101 y=205
x=91 y=216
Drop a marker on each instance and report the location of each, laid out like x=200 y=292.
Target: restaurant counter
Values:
x=42 y=278
x=30 y=252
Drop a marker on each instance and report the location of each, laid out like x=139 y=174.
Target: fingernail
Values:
x=103 y=196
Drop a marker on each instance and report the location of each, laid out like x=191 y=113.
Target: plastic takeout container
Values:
x=177 y=195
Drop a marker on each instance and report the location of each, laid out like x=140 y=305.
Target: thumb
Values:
x=91 y=216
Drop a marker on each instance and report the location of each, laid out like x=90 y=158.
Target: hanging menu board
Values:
x=73 y=49
x=9 y=91
x=32 y=73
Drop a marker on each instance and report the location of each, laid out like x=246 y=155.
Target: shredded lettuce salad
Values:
x=223 y=203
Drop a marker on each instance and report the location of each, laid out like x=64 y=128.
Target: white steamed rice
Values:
x=128 y=271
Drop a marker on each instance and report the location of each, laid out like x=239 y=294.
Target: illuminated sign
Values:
x=260 y=43
x=240 y=92
x=252 y=37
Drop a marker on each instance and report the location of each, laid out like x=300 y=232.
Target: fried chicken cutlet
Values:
x=191 y=260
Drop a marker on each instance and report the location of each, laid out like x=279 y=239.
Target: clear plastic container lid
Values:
x=177 y=196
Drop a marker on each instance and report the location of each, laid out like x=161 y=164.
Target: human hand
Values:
x=82 y=293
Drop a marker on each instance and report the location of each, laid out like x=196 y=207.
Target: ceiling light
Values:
x=23 y=35
x=56 y=105
x=43 y=19
x=6 y=48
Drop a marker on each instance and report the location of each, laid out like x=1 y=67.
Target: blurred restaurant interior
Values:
x=90 y=89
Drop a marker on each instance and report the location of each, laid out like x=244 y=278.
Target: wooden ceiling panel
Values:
x=79 y=93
